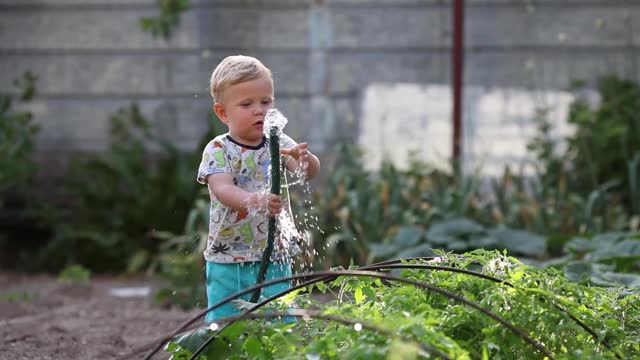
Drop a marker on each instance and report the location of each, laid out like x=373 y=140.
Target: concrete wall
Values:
x=91 y=57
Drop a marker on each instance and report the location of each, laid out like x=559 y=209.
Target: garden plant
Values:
x=478 y=305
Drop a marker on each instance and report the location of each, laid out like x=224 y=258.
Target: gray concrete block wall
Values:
x=91 y=57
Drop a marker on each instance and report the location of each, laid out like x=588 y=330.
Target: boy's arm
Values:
x=299 y=154
x=221 y=185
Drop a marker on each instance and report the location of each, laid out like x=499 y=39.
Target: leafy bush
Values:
x=19 y=219
x=361 y=207
x=606 y=138
x=74 y=274
x=168 y=18
x=118 y=199
x=363 y=210
x=460 y=235
x=17 y=134
x=181 y=262
x=390 y=319
x=549 y=202
x=18 y=297
x=374 y=215
x=551 y=208
x=603 y=259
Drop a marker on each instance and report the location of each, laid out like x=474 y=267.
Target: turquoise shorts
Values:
x=227 y=279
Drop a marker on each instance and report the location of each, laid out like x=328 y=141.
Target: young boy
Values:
x=235 y=168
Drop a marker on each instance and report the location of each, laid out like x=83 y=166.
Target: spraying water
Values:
x=274 y=119
x=293 y=242
x=300 y=241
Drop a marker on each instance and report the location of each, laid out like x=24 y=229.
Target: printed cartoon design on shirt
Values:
x=264 y=162
x=246 y=233
x=236 y=236
x=247 y=174
x=220 y=248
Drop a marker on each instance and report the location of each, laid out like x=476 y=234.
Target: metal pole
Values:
x=457 y=73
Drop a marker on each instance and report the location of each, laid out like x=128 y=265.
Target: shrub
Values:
x=606 y=138
x=118 y=199
x=17 y=133
x=19 y=219
x=389 y=319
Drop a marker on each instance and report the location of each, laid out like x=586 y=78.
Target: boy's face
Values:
x=244 y=107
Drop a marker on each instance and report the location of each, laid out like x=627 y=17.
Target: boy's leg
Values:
x=278 y=270
x=222 y=280
x=275 y=270
x=227 y=279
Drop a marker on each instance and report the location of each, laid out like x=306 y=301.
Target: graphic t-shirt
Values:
x=238 y=236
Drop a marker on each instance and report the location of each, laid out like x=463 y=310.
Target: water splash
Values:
x=274 y=119
x=263 y=196
x=295 y=229
x=289 y=233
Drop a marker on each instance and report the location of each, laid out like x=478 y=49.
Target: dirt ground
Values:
x=42 y=318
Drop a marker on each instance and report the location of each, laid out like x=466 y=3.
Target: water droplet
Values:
x=213 y=326
x=357 y=327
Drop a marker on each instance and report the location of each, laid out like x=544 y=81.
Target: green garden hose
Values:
x=274 y=151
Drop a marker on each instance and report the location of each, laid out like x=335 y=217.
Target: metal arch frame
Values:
x=334 y=274
x=391 y=264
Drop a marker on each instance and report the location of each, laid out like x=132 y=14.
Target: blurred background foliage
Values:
x=118 y=199
x=137 y=207
x=17 y=168
x=167 y=19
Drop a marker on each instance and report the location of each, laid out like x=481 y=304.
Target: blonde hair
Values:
x=234 y=70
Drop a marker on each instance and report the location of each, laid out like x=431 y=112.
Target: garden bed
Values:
x=43 y=318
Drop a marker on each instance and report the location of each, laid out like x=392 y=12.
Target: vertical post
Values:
x=457 y=76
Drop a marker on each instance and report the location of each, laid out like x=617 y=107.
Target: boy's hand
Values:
x=267 y=203
x=298 y=152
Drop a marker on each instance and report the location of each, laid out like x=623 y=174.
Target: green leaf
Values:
x=253 y=347
x=520 y=241
x=447 y=231
x=628 y=248
x=408 y=236
x=382 y=251
x=358 y=295
x=613 y=278
x=578 y=271
x=579 y=245
x=192 y=340
x=418 y=251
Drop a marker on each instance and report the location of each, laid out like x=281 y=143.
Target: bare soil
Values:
x=42 y=318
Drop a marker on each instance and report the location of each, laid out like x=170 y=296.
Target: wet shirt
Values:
x=238 y=236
